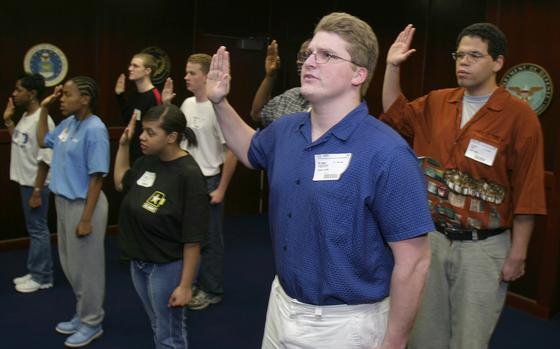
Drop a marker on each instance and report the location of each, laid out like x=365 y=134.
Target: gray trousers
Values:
x=464 y=293
x=83 y=258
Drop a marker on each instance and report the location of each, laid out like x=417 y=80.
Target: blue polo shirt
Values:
x=330 y=237
x=80 y=148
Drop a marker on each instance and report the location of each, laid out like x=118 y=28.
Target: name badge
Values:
x=147 y=179
x=137 y=114
x=329 y=167
x=63 y=136
x=481 y=152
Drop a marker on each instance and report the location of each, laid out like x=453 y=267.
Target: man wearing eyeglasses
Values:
x=348 y=209
x=482 y=153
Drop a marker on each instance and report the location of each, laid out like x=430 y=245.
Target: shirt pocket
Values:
x=493 y=141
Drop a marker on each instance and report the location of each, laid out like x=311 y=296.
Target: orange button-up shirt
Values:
x=464 y=192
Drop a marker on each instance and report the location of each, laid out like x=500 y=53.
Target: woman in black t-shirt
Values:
x=163 y=218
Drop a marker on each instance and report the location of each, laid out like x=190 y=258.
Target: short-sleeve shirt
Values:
x=289 y=102
x=330 y=236
x=482 y=174
x=80 y=149
x=142 y=101
x=25 y=151
x=210 y=153
x=165 y=206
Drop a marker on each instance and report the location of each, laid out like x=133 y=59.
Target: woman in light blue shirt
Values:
x=80 y=146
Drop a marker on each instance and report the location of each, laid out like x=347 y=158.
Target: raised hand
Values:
x=272 y=60
x=167 y=93
x=120 y=85
x=52 y=98
x=9 y=111
x=400 y=50
x=218 y=79
x=128 y=132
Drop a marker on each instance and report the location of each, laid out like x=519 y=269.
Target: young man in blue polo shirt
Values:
x=348 y=208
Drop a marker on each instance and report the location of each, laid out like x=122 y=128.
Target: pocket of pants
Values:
x=370 y=328
x=496 y=247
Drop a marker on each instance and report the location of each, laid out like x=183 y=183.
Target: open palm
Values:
x=218 y=79
x=400 y=50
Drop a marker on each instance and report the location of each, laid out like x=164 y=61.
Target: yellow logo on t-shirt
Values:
x=154 y=202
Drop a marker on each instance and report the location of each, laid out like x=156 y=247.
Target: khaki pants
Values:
x=464 y=293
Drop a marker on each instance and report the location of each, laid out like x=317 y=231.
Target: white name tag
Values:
x=147 y=179
x=481 y=152
x=63 y=136
x=329 y=167
x=137 y=114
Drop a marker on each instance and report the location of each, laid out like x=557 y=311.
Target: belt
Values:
x=468 y=234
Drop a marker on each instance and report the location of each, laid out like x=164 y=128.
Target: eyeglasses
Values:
x=473 y=56
x=321 y=57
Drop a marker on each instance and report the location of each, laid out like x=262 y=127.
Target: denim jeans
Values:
x=39 y=259
x=155 y=283
x=211 y=272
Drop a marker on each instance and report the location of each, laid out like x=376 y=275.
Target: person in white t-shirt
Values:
x=218 y=164
x=29 y=168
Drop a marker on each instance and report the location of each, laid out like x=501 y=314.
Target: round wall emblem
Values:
x=531 y=83
x=163 y=68
x=47 y=60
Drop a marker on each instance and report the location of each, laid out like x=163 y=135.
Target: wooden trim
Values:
x=528 y=305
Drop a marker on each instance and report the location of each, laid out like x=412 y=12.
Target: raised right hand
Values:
x=120 y=85
x=167 y=93
x=128 y=132
x=218 y=79
x=272 y=60
x=400 y=50
x=9 y=111
x=52 y=98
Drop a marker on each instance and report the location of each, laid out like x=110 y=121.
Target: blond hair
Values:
x=203 y=59
x=361 y=40
x=148 y=60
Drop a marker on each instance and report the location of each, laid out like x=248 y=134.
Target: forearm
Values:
x=94 y=190
x=407 y=286
x=122 y=164
x=391 y=86
x=191 y=255
x=262 y=96
x=42 y=127
x=521 y=235
x=236 y=132
x=227 y=172
x=41 y=177
x=10 y=126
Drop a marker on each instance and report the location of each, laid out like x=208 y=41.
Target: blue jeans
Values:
x=211 y=272
x=39 y=259
x=155 y=283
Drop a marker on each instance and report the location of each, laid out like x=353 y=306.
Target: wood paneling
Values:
x=100 y=37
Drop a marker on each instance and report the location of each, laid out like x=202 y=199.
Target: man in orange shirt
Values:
x=482 y=153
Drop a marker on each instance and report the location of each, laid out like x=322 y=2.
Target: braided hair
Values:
x=87 y=87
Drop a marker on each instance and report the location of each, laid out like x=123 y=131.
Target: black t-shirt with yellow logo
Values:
x=165 y=206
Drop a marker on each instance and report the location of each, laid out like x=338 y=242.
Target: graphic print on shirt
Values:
x=458 y=200
x=21 y=139
x=154 y=202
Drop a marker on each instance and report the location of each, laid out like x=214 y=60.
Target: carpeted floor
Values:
x=27 y=320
